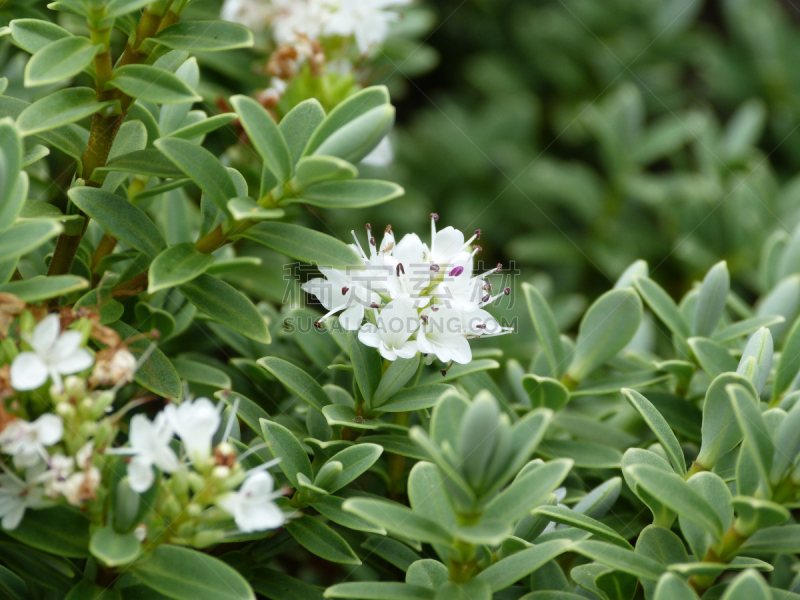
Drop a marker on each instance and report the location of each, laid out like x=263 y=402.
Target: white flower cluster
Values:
x=415 y=298
x=298 y=21
x=47 y=476
x=195 y=423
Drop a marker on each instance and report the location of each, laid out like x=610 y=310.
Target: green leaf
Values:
x=114 y=549
x=247 y=209
x=176 y=265
x=59 y=108
x=759 y=348
x=672 y=587
x=789 y=362
x=673 y=491
x=774 y=540
x=156 y=374
x=379 y=590
x=660 y=428
x=399 y=520
x=474 y=589
x=120 y=218
x=304 y=244
x=757 y=441
x=745 y=327
x=711 y=300
x=118 y=8
x=202 y=167
x=202 y=373
x=714 y=358
x=331 y=507
x=606 y=328
x=513 y=568
x=319 y=539
x=395 y=377
x=316 y=169
x=356 y=139
x=142 y=162
x=201 y=128
x=619 y=558
x=59 y=60
x=152 y=84
x=428 y=573
x=185 y=574
x=43 y=288
x=414 y=398
x=366 y=366
x=224 y=303
x=10 y=181
x=720 y=431
x=26 y=236
x=205 y=36
x=265 y=136
x=296 y=380
x=546 y=329
x=351 y=109
x=355 y=460
x=34 y=34
x=86 y=590
x=588 y=455
x=748 y=585
x=662 y=305
x=300 y=124
x=59 y=530
x=285 y=446
x=356 y=193
x=544 y=391
x=528 y=491
x=565 y=516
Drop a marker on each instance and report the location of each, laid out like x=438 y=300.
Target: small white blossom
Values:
x=252 y=507
x=27 y=442
x=195 y=422
x=396 y=323
x=365 y=20
x=442 y=334
x=16 y=496
x=53 y=354
x=61 y=467
x=338 y=291
x=82 y=486
x=150 y=447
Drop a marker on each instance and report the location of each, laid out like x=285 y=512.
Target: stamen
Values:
x=446 y=369
x=318 y=324
x=388 y=229
x=374 y=305
x=486 y=298
x=424 y=319
x=435 y=268
x=434 y=216
x=477 y=234
x=345 y=289
x=400 y=269
x=456 y=271
x=480 y=326
x=372 y=242
x=369 y=229
x=507 y=291
x=360 y=249
x=231 y=419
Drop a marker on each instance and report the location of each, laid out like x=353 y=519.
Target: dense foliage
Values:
x=209 y=390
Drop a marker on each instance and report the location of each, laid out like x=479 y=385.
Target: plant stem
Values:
x=103 y=132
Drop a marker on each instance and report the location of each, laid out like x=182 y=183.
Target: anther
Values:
x=317 y=324
x=435 y=268
x=400 y=269
x=388 y=229
x=507 y=291
x=345 y=289
x=372 y=241
x=477 y=234
x=456 y=271
x=374 y=305
x=424 y=319
x=486 y=298
x=434 y=216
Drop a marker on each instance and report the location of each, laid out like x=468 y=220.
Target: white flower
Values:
x=396 y=323
x=26 y=442
x=298 y=20
x=53 y=355
x=61 y=467
x=251 y=13
x=442 y=334
x=252 y=507
x=82 y=486
x=149 y=443
x=339 y=292
x=366 y=20
x=16 y=496
x=195 y=422
x=381 y=156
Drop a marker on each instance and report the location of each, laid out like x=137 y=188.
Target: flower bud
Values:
x=478 y=438
x=203 y=539
x=328 y=475
x=126 y=507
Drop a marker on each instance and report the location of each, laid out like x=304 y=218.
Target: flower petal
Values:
x=28 y=372
x=80 y=360
x=46 y=333
x=369 y=336
x=140 y=474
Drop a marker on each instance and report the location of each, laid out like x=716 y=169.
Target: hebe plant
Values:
x=653 y=454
